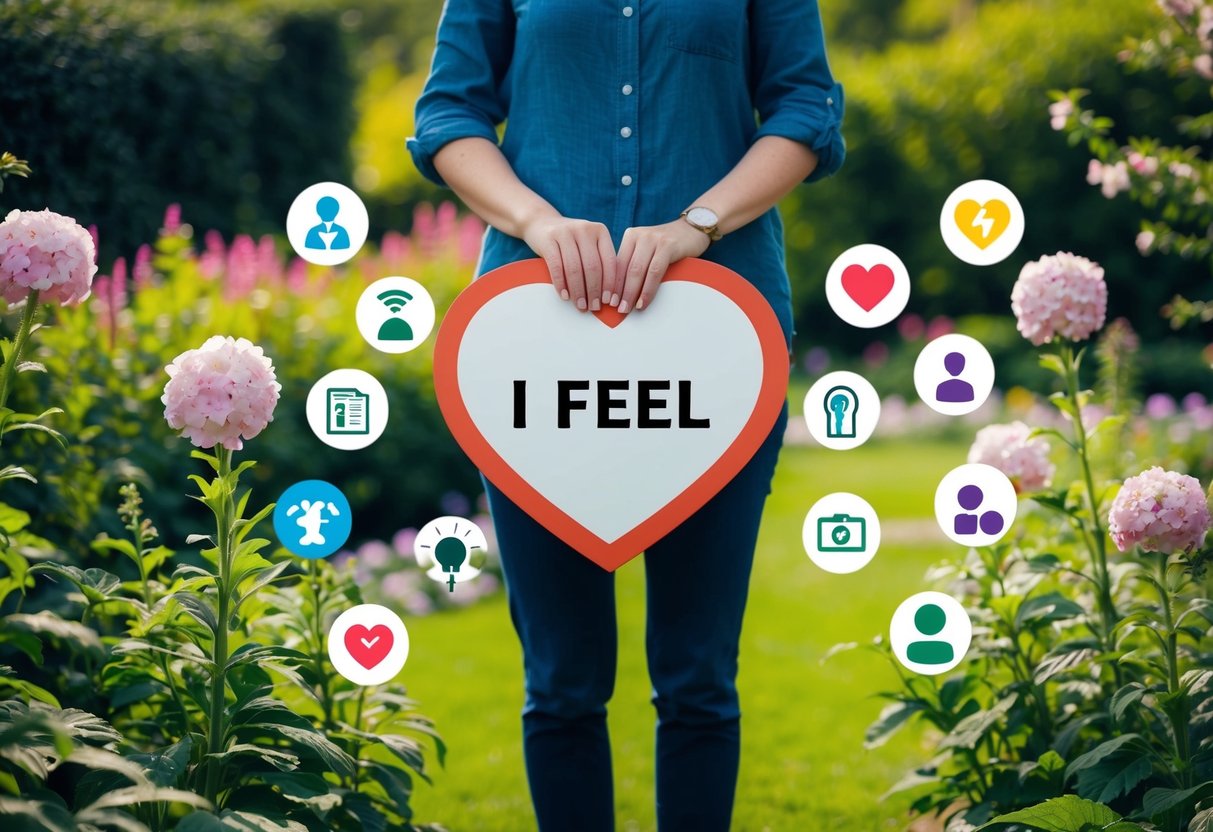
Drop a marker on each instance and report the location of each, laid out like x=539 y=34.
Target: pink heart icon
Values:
x=369 y=647
x=867 y=287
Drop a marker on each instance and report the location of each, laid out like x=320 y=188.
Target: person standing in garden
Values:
x=639 y=133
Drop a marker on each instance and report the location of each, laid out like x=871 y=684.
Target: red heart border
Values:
x=611 y=555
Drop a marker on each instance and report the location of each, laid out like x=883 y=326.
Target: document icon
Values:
x=348 y=411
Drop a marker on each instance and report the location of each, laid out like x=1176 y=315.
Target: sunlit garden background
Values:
x=177 y=133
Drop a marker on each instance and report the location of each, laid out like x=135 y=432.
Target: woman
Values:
x=632 y=142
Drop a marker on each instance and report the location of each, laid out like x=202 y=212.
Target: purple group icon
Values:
x=967 y=521
x=954 y=390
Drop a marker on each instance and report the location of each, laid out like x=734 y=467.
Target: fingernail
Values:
x=564 y=294
x=623 y=308
x=581 y=304
x=595 y=305
x=640 y=304
x=615 y=300
x=606 y=297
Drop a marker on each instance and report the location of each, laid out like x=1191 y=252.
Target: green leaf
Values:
x=23 y=814
x=276 y=757
x=72 y=634
x=305 y=788
x=1065 y=659
x=1061 y=814
x=1203 y=822
x=12 y=520
x=892 y=717
x=1099 y=753
x=1160 y=801
x=970 y=730
x=97 y=585
x=1046 y=609
x=1125 y=698
x=15 y=472
x=239 y=821
x=1116 y=776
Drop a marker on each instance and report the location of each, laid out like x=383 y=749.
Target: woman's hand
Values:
x=579 y=254
x=644 y=255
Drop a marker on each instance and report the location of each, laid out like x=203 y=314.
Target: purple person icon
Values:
x=967 y=522
x=954 y=390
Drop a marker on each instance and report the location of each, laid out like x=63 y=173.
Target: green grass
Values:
x=803 y=762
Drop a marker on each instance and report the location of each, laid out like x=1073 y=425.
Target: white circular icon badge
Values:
x=975 y=504
x=954 y=374
x=368 y=644
x=981 y=222
x=841 y=410
x=930 y=633
x=395 y=314
x=841 y=533
x=327 y=223
x=347 y=409
x=867 y=286
x=444 y=549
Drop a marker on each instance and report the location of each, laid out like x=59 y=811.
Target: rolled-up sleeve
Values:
x=794 y=91
x=464 y=95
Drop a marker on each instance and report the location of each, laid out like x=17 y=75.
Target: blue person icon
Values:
x=327 y=208
x=841 y=405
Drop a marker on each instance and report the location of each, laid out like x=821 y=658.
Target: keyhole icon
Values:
x=841 y=405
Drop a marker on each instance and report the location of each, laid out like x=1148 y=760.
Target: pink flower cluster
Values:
x=45 y=252
x=1112 y=179
x=1060 y=294
x=221 y=393
x=1160 y=511
x=1013 y=450
x=1060 y=112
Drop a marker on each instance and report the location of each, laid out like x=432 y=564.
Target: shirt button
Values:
x=627 y=89
x=625 y=180
x=627 y=11
x=625 y=131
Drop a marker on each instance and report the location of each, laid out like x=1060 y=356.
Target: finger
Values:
x=637 y=269
x=591 y=265
x=652 y=279
x=627 y=247
x=551 y=256
x=573 y=273
x=606 y=254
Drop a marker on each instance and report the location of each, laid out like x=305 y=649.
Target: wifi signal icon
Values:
x=395 y=299
x=395 y=329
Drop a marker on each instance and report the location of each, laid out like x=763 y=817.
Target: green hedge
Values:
x=124 y=107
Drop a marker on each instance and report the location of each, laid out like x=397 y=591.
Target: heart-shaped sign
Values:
x=610 y=430
x=984 y=223
x=369 y=647
x=867 y=287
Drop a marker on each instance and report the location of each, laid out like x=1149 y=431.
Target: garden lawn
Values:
x=803 y=762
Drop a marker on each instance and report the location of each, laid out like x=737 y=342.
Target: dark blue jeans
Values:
x=563 y=607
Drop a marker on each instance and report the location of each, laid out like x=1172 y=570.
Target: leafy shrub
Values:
x=106 y=362
x=123 y=107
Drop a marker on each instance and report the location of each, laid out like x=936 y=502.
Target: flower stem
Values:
x=1177 y=708
x=224 y=520
x=23 y=333
x=1098 y=544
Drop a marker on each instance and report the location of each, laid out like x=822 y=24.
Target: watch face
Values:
x=703 y=217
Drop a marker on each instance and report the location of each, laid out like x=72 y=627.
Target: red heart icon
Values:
x=867 y=287
x=741 y=329
x=369 y=647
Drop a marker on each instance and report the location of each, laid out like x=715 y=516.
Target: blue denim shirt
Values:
x=625 y=111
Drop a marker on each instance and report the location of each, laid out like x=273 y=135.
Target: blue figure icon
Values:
x=327 y=208
x=312 y=519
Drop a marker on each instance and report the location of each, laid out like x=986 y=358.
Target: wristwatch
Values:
x=704 y=219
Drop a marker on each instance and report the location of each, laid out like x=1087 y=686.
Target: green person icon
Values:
x=929 y=620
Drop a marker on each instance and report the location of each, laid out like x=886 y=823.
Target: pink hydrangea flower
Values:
x=1144 y=165
x=1060 y=294
x=45 y=252
x=221 y=393
x=1160 y=511
x=1145 y=241
x=1013 y=450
